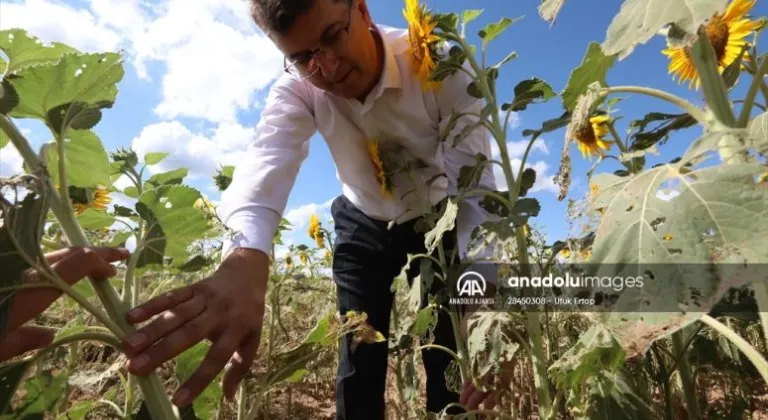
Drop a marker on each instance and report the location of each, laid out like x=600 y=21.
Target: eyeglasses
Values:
x=306 y=65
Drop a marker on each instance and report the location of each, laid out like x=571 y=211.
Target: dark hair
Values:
x=279 y=15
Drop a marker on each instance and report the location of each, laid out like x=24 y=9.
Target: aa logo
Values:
x=471 y=283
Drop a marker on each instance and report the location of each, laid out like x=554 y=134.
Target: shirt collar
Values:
x=390 y=76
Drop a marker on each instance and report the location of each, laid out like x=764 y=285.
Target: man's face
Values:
x=348 y=65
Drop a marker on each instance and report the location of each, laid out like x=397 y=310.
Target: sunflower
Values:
x=422 y=39
x=381 y=176
x=591 y=137
x=303 y=257
x=100 y=200
x=315 y=231
x=726 y=33
x=288 y=261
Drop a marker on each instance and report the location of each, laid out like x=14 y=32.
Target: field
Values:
x=691 y=341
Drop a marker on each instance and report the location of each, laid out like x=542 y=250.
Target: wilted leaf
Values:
x=25 y=50
x=758 y=131
x=74 y=89
x=642 y=139
x=490 y=343
x=87 y=162
x=548 y=9
x=469 y=176
x=529 y=91
x=445 y=224
x=639 y=20
x=596 y=353
x=593 y=68
x=155 y=157
x=717 y=219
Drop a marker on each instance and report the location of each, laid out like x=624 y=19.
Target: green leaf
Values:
x=758 y=131
x=95 y=219
x=4 y=140
x=173 y=177
x=206 y=404
x=549 y=126
x=321 y=334
x=70 y=92
x=493 y=30
x=548 y=9
x=10 y=377
x=593 y=68
x=426 y=320
x=223 y=177
x=469 y=176
x=196 y=263
x=642 y=139
x=155 y=157
x=511 y=56
x=449 y=65
x=527 y=92
x=473 y=90
x=285 y=365
x=173 y=221
x=527 y=181
x=445 y=224
x=23 y=224
x=639 y=20
x=494 y=206
x=25 y=50
x=87 y=162
x=524 y=209
x=78 y=411
x=119 y=239
x=447 y=22
x=131 y=191
x=42 y=394
x=732 y=72
x=470 y=15
x=596 y=352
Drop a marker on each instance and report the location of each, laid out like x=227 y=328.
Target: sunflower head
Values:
x=422 y=41
x=382 y=178
x=726 y=33
x=84 y=198
x=591 y=137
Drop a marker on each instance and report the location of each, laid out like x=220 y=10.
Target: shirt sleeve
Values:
x=253 y=204
x=452 y=97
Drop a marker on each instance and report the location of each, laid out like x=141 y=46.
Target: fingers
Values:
x=467 y=390
x=165 y=324
x=214 y=362
x=159 y=304
x=24 y=339
x=173 y=344
x=474 y=400
x=108 y=254
x=490 y=401
x=71 y=266
x=241 y=363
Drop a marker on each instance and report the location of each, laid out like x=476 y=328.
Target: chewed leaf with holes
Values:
x=684 y=247
x=25 y=50
x=490 y=343
x=69 y=93
x=173 y=221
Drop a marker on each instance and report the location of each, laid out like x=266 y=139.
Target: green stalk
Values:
x=686 y=377
x=715 y=91
x=630 y=165
x=753 y=355
x=241 y=402
x=681 y=103
x=159 y=405
x=757 y=82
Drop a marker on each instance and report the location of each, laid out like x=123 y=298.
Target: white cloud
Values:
x=299 y=216
x=55 y=21
x=200 y=153
x=516 y=151
x=11 y=162
x=514 y=119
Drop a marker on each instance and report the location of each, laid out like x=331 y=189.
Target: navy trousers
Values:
x=366 y=258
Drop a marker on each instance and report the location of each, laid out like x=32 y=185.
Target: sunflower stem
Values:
x=686 y=106
x=715 y=91
x=752 y=354
x=158 y=403
x=630 y=165
x=757 y=80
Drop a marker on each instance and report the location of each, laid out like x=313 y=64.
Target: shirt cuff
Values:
x=252 y=230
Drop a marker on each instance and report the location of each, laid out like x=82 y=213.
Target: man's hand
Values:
x=71 y=264
x=227 y=308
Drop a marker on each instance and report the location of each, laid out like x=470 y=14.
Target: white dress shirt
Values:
x=397 y=113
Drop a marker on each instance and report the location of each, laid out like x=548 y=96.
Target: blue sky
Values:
x=197 y=72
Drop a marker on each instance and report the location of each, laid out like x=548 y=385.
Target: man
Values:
x=71 y=264
x=352 y=81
